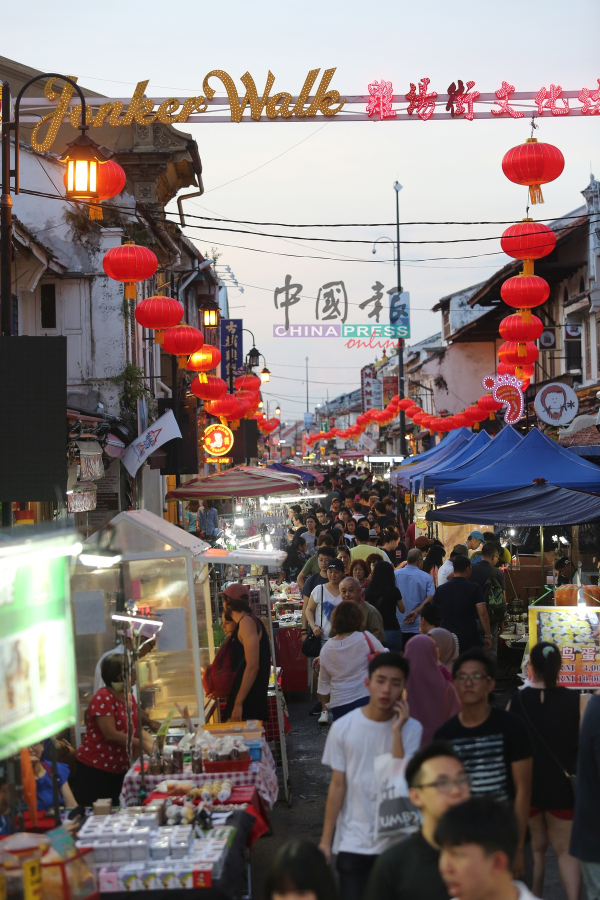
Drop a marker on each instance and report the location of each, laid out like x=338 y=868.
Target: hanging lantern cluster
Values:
x=130 y=264
x=531 y=164
x=181 y=341
x=110 y=181
x=159 y=313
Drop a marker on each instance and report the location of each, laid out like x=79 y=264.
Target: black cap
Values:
x=336 y=564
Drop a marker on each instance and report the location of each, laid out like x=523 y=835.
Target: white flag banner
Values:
x=161 y=431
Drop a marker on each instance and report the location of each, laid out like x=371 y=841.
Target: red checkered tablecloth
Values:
x=260 y=774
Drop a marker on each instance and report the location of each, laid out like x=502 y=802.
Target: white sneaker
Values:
x=323 y=718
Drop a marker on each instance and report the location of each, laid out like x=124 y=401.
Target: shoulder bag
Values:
x=311 y=645
x=218 y=677
x=572 y=778
x=372 y=651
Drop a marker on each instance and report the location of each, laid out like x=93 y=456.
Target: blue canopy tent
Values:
x=403 y=475
x=534 y=505
x=504 y=442
x=453 y=437
x=536 y=456
x=292 y=470
x=464 y=454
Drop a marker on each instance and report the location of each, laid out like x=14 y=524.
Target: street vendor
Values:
x=43 y=779
x=250 y=658
x=102 y=760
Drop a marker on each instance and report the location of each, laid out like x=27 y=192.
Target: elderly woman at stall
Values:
x=102 y=760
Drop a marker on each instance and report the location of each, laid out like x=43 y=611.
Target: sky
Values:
x=323 y=171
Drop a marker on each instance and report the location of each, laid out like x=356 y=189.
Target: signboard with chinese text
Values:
x=400 y=312
x=38 y=684
x=370 y=389
x=217 y=440
x=390 y=387
x=574 y=630
x=232 y=350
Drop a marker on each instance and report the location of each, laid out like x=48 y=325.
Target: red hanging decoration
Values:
x=110 y=181
x=182 y=341
x=405 y=403
x=409 y=413
x=209 y=390
x=159 y=313
x=489 y=405
x=528 y=240
x=506 y=369
x=205 y=359
x=248 y=382
x=525 y=292
x=516 y=328
x=475 y=414
x=461 y=421
x=130 y=264
x=533 y=164
x=519 y=354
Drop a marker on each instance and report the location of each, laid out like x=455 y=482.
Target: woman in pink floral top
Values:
x=102 y=757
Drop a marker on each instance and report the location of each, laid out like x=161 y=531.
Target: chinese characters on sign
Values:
x=330 y=296
x=218 y=440
x=232 y=350
x=575 y=631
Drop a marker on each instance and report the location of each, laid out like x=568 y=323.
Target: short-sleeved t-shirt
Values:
x=95 y=750
x=414 y=585
x=480 y=572
x=363 y=551
x=409 y=870
x=311 y=566
x=312 y=582
x=352 y=744
x=458 y=600
x=488 y=750
x=326 y=603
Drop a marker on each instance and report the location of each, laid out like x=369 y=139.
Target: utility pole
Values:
x=403 y=450
x=307 y=408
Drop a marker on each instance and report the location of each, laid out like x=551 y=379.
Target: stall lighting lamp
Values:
x=42 y=553
x=137 y=620
x=386 y=475
x=99 y=560
x=250 y=540
x=238 y=507
x=563 y=539
x=238 y=522
x=287 y=499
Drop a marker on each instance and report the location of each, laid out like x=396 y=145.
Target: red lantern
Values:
x=426 y=421
x=461 y=421
x=182 y=341
x=507 y=369
x=528 y=240
x=418 y=417
x=110 y=181
x=533 y=164
x=519 y=354
x=252 y=398
x=159 y=313
x=514 y=328
x=489 y=405
x=248 y=382
x=525 y=292
x=475 y=415
x=209 y=390
x=224 y=407
x=130 y=264
x=205 y=359
x=409 y=413
x=405 y=403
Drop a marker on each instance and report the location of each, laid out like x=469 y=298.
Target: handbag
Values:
x=572 y=778
x=311 y=645
x=218 y=677
x=372 y=651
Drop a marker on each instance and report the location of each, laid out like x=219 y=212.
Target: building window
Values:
x=48 y=305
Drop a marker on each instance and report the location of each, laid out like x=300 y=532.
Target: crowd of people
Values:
x=437 y=789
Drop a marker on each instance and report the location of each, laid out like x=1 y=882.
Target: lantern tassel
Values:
x=535 y=194
x=130 y=291
x=181 y=362
x=522 y=351
x=159 y=336
x=519 y=371
x=527 y=267
x=475 y=426
x=525 y=315
x=95 y=212
x=223 y=420
x=491 y=416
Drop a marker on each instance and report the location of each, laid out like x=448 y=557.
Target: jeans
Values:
x=591 y=879
x=354 y=870
x=338 y=711
x=406 y=636
x=393 y=641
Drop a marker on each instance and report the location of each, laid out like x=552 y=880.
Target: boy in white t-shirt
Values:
x=321 y=603
x=478 y=841
x=382 y=726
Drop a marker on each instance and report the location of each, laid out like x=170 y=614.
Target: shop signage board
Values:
x=371 y=393
x=217 y=440
x=556 y=404
x=400 y=312
x=419 y=100
x=38 y=685
x=574 y=630
x=390 y=387
x=232 y=350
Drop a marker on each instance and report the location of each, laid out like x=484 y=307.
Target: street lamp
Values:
x=277 y=410
x=82 y=160
x=265 y=375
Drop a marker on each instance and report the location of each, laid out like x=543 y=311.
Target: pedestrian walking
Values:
x=299 y=869
x=434 y=561
x=360 y=570
x=416 y=588
x=363 y=548
x=350 y=590
x=585 y=837
x=462 y=604
x=491 y=581
x=446 y=571
x=322 y=602
x=432 y=700
x=343 y=553
x=383 y=594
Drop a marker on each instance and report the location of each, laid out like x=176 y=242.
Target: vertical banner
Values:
x=371 y=393
x=232 y=350
x=390 y=387
x=400 y=311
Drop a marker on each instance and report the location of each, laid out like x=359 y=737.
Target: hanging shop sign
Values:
x=232 y=350
x=217 y=440
x=574 y=630
x=507 y=389
x=419 y=102
x=400 y=311
x=38 y=686
x=556 y=404
x=371 y=393
x=548 y=339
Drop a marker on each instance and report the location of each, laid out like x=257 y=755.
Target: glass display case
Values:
x=159 y=569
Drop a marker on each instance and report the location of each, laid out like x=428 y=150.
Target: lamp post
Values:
x=253 y=358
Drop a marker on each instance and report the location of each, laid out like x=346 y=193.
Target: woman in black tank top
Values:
x=255 y=704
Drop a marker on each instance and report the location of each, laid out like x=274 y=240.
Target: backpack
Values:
x=218 y=677
x=494 y=598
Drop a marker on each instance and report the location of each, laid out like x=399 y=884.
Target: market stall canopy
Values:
x=241 y=481
x=305 y=474
x=465 y=453
x=403 y=475
x=536 y=456
x=536 y=504
x=503 y=443
x=453 y=437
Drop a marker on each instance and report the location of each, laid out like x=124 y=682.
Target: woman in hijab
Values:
x=447 y=645
x=431 y=699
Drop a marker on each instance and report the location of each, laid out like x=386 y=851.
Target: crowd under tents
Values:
x=534 y=457
x=532 y=505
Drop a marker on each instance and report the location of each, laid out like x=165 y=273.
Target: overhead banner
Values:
x=232 y=350
x=418 y=100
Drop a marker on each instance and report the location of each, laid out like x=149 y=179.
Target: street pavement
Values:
x=310 y=780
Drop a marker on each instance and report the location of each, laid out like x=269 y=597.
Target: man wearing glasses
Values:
x=494 y=745
x=409 y=870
